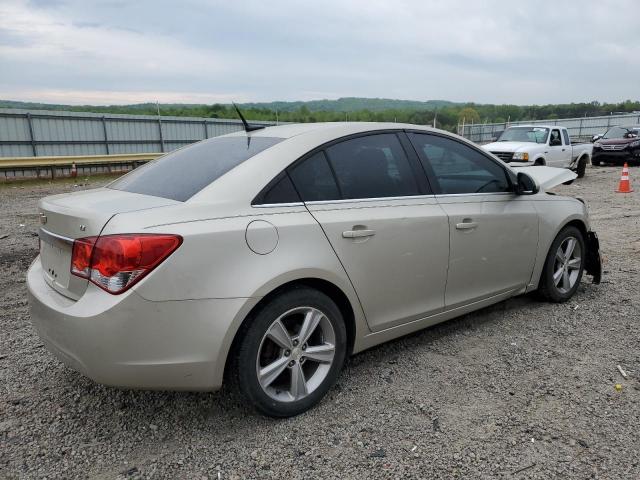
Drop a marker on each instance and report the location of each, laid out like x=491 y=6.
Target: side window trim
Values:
x=425 y=167
x=422 y=186
x=432 y=176
x=425 y=185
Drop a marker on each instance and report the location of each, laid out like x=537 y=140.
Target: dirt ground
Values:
x=524 y=389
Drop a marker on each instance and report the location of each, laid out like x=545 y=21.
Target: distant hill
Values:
x=347 y=104
x=353 y=104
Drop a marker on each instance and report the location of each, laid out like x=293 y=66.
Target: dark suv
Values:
x=618 y=145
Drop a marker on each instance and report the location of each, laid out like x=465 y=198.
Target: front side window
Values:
x=181 y=174
x=554 y=140
x=457 y=168
x=372 y=166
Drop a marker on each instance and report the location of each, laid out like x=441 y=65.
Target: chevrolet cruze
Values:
x=266 y=257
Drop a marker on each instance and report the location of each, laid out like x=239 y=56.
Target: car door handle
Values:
x=358 y=233
x=466 y=225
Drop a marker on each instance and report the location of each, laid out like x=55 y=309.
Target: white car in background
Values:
x=272 y=255
x=526 y=145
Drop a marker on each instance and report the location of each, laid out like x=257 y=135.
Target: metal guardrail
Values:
x=8 y=163
x=21 y=168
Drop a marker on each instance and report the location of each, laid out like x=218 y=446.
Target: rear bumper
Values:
x=128 y=341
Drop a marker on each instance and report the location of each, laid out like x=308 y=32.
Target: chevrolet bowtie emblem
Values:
x=43 y=218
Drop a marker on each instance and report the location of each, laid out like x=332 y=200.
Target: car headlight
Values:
x=521 y=156
x=635 y=144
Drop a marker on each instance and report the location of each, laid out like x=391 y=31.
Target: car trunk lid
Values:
x=67 y=217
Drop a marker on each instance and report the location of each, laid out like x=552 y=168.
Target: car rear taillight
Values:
x=117 y=262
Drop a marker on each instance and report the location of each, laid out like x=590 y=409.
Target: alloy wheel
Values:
x=295 y=354
x=566 y=268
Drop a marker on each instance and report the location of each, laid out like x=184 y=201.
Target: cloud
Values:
x=484 y=51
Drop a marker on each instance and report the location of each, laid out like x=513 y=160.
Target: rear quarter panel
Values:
x=215 y=261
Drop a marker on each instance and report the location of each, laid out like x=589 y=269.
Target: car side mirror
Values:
x=595 y=138
x=526 y=185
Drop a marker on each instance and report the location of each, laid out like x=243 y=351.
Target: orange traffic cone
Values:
x=625 y=184
x=74 y=170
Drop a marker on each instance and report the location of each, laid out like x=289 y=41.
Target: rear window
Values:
x=181 y=174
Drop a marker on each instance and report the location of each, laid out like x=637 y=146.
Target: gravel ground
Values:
x=523 y=389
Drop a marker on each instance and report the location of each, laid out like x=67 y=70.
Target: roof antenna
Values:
x=247 y=128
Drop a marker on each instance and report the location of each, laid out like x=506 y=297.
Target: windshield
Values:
x=525 y=134
x=181 y=174
x=621 y=132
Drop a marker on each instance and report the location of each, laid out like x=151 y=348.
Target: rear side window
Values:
x=457 y=168
x=282 y=191
x=565 y=134
x=181 y=174
x=314 y=180
x=372 y=166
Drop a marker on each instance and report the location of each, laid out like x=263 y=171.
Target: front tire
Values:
x=291 y=352
x=563 y=266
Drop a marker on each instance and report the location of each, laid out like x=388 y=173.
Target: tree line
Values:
x=447 y=115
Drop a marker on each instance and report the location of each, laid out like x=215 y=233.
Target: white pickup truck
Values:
x=527 y=145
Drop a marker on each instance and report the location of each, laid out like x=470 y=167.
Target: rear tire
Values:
x=291 y=352
x=563 y=266
x=582 y=167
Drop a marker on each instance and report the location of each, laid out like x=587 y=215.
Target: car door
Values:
x=389 y=232
x=558 y=152
x=493 y=232
x=568 y=157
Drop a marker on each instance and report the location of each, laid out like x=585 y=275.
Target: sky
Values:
x=199 y=51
